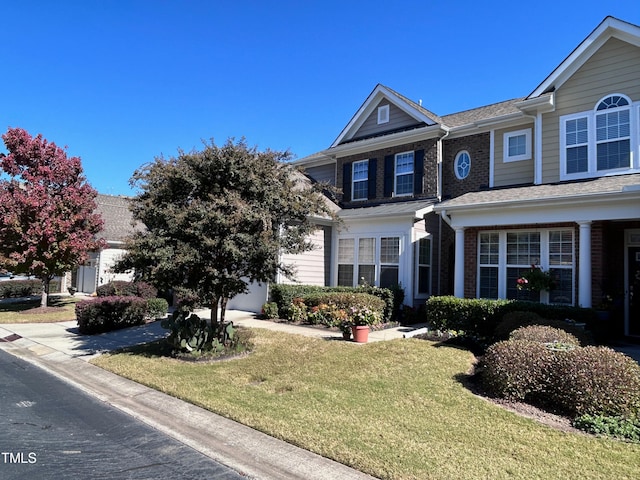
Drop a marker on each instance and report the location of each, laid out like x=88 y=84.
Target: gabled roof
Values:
x=117 y=217
x=420 y=114
x=610 y=27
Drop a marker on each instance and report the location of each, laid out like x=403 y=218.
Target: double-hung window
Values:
x=367 y=261
x=602 y=141
x=360 y=180
x=389 y=261
x=404 y=174
x=423 y=266
x=505 y=256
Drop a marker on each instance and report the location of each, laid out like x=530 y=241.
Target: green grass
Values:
x=394 y=409
x=26 y=311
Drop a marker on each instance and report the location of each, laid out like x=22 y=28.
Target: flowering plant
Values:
x=364 y=316
x=536 y=279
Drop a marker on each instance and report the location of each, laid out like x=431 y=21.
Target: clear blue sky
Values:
x=123 y=81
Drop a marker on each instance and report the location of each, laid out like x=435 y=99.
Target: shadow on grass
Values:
x=29 y=303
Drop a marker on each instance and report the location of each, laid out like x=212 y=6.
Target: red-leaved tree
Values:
x=48 y=222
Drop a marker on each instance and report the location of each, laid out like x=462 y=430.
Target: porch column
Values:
x=584 y=264
x=458 y=278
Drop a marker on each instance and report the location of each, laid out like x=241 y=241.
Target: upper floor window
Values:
x=462 y=164
x=404 y=174
x=600 y=141
x=517 y=145
x=383 y=114
x=360 y=180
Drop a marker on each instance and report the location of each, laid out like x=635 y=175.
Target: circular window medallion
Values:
x=462 y=164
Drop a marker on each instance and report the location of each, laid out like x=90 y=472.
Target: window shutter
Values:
x=388 y=175
x=371 y=180
x=418 y=171
x=346 y=182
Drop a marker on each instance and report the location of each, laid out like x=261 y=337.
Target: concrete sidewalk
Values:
x=59 y=349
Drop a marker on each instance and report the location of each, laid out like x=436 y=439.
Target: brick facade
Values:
x=429 y=178
x=478 y=147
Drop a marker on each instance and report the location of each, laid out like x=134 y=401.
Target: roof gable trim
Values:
x=379 y=93
x=609 y=28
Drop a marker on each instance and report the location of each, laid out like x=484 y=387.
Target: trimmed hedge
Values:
x=284 y=295
x=481 y=317
x=120 y=288
x=105 y=314
x=345 y=301
x=20 y=288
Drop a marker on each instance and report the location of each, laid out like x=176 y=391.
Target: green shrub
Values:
x=157 y=308
x=544 y=334
x=477 y=317
x=596 y=381
x=270 y=310
x=480 y=317
x=283 y=296
x=517 y=370
x=617 y=427
x=512 y=321
x=20 y=288
x=191 y=334
x=122 y=288
x=331 y=308
x=110 y=313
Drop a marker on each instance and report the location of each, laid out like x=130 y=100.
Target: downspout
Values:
x=440 y=155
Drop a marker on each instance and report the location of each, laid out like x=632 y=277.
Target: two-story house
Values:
x=465 y=203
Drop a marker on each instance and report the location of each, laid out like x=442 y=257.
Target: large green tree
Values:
x=48 y=222
x=218 y=219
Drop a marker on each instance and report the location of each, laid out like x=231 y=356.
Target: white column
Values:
x=584 y=264
x=458 y=283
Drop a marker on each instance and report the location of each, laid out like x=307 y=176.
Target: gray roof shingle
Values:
x=117 y=217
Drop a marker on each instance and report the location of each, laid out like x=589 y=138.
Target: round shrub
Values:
x=544 y=334
x=156 y=308
x=596 y=381
x=517 y=370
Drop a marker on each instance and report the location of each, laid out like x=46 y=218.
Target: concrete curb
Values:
x=247 y=451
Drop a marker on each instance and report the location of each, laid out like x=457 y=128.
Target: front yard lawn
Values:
x=61 y=308
x=394 y=409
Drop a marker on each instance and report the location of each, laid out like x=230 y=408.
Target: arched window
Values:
x=462 y=165
x=613 y=133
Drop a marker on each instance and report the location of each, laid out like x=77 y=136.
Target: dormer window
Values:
x=383 y=114
x=598 y=142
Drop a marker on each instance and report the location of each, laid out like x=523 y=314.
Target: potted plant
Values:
x=536 y=279
x=361 y=320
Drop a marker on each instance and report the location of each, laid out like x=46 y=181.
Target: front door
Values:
x=632 y=310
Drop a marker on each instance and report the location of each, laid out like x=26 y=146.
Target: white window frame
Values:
x=354 y=255
x=455 y=164
x=383 y=114
x=544 y=262
x=396 y=174
x=418 y=265
x=353 y=180
x=592 y=157
x=527 y=139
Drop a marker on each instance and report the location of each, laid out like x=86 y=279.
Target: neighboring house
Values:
x=117 y=225
x=465 y=203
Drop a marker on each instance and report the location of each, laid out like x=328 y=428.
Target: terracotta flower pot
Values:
x=360 y=333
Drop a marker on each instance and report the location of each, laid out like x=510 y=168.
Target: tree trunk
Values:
x=44 y=299
x=214 y=311
x=223 y=308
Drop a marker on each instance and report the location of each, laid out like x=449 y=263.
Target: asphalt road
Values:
x=51 y=430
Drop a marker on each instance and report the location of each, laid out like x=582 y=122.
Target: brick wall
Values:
x=478 y=147
x=430 y=180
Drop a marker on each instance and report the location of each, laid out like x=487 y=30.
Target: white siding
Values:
x=310 y=266
x=107 y=259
